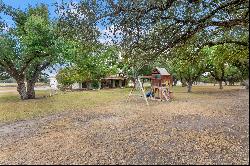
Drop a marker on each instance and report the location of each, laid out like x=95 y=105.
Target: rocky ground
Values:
x=207 y=128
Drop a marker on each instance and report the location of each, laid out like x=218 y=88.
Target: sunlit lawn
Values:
x=13 y=109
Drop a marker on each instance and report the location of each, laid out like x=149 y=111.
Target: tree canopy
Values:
x=157 y=26
x=29 y=47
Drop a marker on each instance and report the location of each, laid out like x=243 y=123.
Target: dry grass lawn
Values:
x=208 y=126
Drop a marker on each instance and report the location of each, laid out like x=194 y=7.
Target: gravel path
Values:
x=202 y=130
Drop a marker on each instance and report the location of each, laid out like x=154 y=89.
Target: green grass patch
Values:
x=14 y=109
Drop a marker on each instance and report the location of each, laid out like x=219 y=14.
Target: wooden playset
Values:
x=161 y=85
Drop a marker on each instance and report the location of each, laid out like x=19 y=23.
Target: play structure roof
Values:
x=162 y=71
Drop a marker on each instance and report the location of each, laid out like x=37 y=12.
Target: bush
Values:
x=95 y=84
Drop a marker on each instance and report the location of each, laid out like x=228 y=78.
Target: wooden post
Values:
x=113 y=83
x=120 y=83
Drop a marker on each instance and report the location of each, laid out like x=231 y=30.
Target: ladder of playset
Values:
x=138 y=81
x=164 y=91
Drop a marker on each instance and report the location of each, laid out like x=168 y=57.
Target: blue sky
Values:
x=23 y=4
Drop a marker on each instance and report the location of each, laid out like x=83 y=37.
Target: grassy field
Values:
x=208 y=126
x=13 y=109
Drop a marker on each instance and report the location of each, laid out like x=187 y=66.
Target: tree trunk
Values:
x=183 y=83
x=31 y=89
x=22 y=90
x=220 y=83
x=190 y=86
x=134 y=82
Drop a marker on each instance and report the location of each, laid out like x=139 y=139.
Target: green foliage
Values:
x=95 y=84
x=188 y=63
x=3 y=74
x=217 y=61
x=87 y=58
x=156 y=27
x=90 y=67
x=229 y=57
x=29 y=47
x=232 y=75
x=207 y=78
x=67 y=76
x=8 y=54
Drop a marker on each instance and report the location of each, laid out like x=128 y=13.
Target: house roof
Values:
x=114 y=78
x=162 y=71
